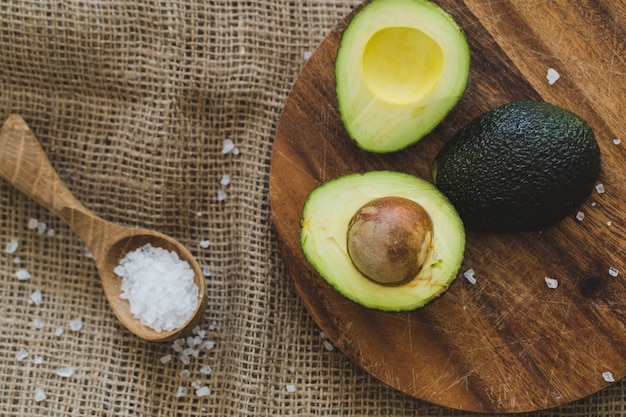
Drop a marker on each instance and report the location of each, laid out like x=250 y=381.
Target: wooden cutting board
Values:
x=507 y=343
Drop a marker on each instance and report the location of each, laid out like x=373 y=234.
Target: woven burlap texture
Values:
x=133 y=102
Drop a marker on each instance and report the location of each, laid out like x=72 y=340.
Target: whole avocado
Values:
x=522 y=166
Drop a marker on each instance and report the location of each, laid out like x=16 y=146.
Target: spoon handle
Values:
x=24 y=164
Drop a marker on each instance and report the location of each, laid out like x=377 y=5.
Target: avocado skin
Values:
x=522 y=166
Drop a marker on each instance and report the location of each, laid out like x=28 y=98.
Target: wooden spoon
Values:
x=24 y=164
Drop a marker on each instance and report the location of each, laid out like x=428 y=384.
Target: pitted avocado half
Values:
x=386 y=240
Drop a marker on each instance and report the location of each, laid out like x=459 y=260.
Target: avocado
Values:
x=401 y=66
x=385 y=240
x=523 y=166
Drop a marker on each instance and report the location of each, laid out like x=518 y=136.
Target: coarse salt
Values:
x=181 y=391
x=159 y=287
x=580 y=216
x=205 y=243
x=35 y=298
x=23 y=274
x=225 y=180
x=32 y=224
x=470 y=276
x=617 y=141
x=65 y=372
x=11 y=246
x=608 y=376
x=228 y=146
x=551 y=282
x=76 y=324
x=41 y=228
x=206 y=370
x=613 y=271
x=307 y=55
x=290 y=388
x=165 y=359
x=21 y=354
x=40 y=394
x=221 y=195
x=600 y=188
x=203 y=391
x=552 y=76
x=58 y=331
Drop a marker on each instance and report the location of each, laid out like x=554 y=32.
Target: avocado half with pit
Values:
x=401 y=66
x=386 y=240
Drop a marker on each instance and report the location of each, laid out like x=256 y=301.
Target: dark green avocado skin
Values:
x=522 y=166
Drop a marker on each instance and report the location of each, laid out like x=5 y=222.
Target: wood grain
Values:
x=508 y=343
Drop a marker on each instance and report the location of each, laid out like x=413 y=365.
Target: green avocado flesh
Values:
x=327 y=214
x=401 y=66
x=520 y=167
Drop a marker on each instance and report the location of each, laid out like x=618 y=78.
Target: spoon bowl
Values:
x=24 y=164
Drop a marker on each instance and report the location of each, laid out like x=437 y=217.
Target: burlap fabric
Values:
x=132 y=101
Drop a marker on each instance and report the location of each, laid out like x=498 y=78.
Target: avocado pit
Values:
x=389 y=239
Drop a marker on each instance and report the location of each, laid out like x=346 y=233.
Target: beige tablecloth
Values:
x=133 y=102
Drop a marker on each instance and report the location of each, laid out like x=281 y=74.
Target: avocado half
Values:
x=401 y=66
x=326 y=217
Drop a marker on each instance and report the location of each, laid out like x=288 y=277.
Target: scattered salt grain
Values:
x=228 y=146
x=181 y=391
x=88 y=255
x=221 y=195
x=38 y=360
x=203 y=391
x=609 y=223
x=204 y=243
x=40 y=394
x=165 y=359
x=614 y=272
x=41 y=228
x=617 y=141
x=58 y=331
x=76 y=324
x=32 y=224
x=580 y=216
x=206 y=370
x=608 y=376
x=235 y=151
x=213 y=325
x=22 y=274
x=551 y=282
x=290 y=388
x=17 y=260
x=38 y=324
x=328 y=346
x=307 y=55
x=225 y=180
x=21 y=354
x=470 y=276
x=199 y=214
x=35 y=298
x=185 y=373
x=600 y=188
x=65 y=372
x=11 y=246
x=159 y=287
x=552 y=76
x=51 y=232
x=206 y=271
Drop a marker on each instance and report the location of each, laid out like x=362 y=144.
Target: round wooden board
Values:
x=508 y=343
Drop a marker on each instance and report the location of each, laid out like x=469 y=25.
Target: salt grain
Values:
x=159 y=287
x=181 y=391
x=23 y=274
x=552 y=76
x=41 y=228
x=16 y=260
x=58 y=331
x=617 y=141
x=608 y=376
x=470 y=276
x=65 y=372
x=580 y=216
x=32 y=224
x=21 y=354
x=328 y=346
x=551 y=282
x=307 y=55
x=185 y=373
x=206 y=370
x=225 y=180
x=40 y=394
x=600 y=188
x=228 y=146
x=165 y=359
x=203 y=391
x=206 y=271
x=221 y=195
x=204 y=244
x=38 y=360
x=11 y=246
x=290 y=388
x=614 y=272
x=35 y=298
x=76 y=324
x=38 y=324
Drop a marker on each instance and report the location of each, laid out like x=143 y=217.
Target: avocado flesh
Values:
x=520 y=167
x=325 y=218
x=401 y=66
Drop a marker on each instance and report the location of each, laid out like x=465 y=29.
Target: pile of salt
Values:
x=159 y=287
